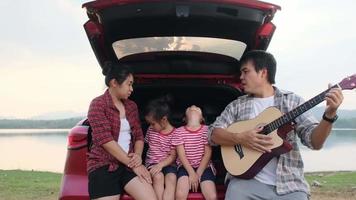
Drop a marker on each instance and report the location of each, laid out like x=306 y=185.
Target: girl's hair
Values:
x=119 y=72
x=160 y=107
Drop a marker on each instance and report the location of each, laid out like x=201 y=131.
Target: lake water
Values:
x=45 y=150
x=33 y=149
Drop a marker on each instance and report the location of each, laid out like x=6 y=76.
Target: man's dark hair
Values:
x=261 y=59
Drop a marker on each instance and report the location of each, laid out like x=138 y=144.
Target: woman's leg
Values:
x=158 y=185
x=209 y=190
x=140 y=190
x=182 y=188
x=170 y=181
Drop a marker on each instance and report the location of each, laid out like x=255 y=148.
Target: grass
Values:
x=333 y=185
x=333 y=180
x=19 y=185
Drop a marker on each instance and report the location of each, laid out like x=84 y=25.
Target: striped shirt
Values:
x=194 y=144
x=159 y=146
x=290 y=175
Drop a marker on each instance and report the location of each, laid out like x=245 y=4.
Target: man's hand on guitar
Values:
x=254 y=140
x=333 y=98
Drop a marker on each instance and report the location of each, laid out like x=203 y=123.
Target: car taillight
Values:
x=77 y=137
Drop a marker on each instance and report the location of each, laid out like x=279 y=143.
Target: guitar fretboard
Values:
x=291 y=115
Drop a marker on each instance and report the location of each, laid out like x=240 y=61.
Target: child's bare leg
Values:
x=208 y=189
x=158 y=185
x=170 y=186
x=114 y=197
x=140 y=189
x=182 y=188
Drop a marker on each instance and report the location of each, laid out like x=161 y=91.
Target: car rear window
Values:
x=226 y=47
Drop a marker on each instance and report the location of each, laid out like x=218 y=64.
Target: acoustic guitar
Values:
x=244 y=162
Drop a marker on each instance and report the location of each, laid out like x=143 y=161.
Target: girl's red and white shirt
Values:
x=160 y=146
x=193 y=142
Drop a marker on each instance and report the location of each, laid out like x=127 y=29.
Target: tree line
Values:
x=71 y=122
x=39 y=124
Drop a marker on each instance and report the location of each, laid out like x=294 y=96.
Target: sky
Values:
x=48 y=66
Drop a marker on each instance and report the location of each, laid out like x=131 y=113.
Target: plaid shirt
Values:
x=290 y=175
x=104 y=119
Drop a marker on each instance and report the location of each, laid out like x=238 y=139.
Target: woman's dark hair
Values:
x=261 y=59
x=119 y=72
x=160 y=107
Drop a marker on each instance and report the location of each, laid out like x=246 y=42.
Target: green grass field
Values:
x=334 y=185
x=19 y=185
x=333 y=180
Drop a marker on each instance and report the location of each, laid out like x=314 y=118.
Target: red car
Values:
x=189 y=49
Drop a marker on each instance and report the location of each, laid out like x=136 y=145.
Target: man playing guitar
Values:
x=281 y=176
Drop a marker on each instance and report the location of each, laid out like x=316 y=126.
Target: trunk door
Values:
x=177 y=38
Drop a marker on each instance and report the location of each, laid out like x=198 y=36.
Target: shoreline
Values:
x=343 y=129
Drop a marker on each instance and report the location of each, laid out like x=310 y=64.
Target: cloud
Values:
x=73 y=8
x=33 y=84
x=48 y=65
x=44 y=27
x=313 y=46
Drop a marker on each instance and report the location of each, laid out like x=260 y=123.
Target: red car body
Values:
x=193 y=76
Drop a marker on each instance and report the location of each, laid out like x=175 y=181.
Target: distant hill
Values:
x=347 y=119
x=346 y=123
x=71 y=122
x=343 y=114
x=38 y=124
x=59 y=115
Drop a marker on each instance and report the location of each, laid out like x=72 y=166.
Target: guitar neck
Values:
x=291 y=115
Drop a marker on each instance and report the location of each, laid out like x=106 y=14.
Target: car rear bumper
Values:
x=74 y=187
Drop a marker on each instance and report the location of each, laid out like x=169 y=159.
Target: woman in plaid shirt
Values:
x=282 y=177
x=114 y=159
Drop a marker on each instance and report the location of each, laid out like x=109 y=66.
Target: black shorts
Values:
x=208 y=174
x=103 y=183
x=167 y=169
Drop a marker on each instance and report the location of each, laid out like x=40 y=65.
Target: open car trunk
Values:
x=212 y=99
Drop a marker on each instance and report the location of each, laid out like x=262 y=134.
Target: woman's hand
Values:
x=135 y=160
x=193 y=182
x=154 y=169
x=142 y=174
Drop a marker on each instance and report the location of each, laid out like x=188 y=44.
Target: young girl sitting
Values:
x=161 y=155
x=194 y=153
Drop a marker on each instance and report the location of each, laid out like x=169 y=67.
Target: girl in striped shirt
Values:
x=194 y=153
x=161 y=154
